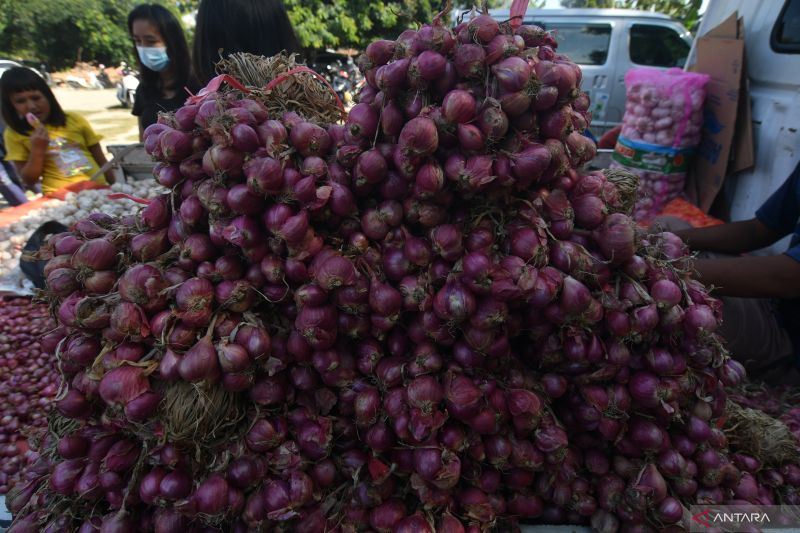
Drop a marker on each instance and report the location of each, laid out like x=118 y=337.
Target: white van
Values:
x=606 y=43
x=772 y=43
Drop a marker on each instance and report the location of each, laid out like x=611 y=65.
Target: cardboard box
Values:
x=727 y=140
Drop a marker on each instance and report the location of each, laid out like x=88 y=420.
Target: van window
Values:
x=585 y=44
x=785 y=36
x=657 y=46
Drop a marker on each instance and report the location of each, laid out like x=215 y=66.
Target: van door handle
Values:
x=599 y=82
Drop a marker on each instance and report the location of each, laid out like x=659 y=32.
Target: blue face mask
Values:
x=155 y=58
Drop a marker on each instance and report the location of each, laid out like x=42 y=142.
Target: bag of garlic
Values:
x=660 y=130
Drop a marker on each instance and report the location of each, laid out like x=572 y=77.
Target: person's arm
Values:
x=776 y=276
x=733 y=238
x=100 y=158
x=141 y=129
x=31 y=170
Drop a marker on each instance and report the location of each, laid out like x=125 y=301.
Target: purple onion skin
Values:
x=398 y=331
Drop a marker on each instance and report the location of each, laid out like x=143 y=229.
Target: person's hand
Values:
x=667 y=223
x=40 y=139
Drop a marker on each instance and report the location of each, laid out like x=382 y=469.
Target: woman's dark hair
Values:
x=19 y=79
x=226 y=27
x=178 y=51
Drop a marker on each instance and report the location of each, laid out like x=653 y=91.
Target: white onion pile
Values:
x=74 y=207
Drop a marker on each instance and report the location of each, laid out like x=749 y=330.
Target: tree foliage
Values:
x=323 y=24
x=355 y=23
x=686 y=11
x=60 y=32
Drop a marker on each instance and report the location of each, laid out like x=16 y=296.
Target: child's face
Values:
x=31 y=102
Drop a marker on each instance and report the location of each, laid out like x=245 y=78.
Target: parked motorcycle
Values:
x=340 y=71
x=77 y=82
x=103 y=78
x=126 y=88
x=340 y=80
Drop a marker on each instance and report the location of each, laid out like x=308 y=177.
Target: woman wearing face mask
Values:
x=164 y=62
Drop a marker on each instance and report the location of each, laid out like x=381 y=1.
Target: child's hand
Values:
x=33 y=120
x=40 y=139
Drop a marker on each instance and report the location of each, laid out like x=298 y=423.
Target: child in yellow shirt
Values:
x=42 y=140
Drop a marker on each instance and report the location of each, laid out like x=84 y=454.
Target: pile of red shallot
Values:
x=792 y=420
x=421 y=320
x=28 y=383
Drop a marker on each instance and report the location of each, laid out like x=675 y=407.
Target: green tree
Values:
x=61 y=32
x=324 y=24
x=687 y=11
x=355 y=23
